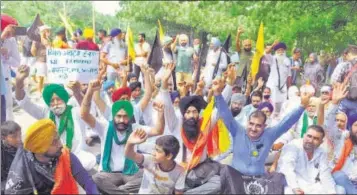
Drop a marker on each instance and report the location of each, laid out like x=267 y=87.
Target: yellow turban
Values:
x=88 y=33
x=39 y=136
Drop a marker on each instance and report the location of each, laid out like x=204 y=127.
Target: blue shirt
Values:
x=243 y=147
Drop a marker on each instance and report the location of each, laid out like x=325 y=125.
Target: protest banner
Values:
x=66 y=65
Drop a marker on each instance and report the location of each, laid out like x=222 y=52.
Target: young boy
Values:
x=160 y=170
x=10 y=141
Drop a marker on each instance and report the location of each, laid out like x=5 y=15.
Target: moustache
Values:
x=191 y=128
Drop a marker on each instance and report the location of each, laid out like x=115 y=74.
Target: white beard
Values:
x=281 y=58
x=58 y=110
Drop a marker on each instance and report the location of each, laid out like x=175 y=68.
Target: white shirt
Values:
x=303 y=173
x=139 y=50
x=212 y=58
x=273 y=80
x=117 y=157
x=156 y=181
x=12 y=59
x=338 y=139
x=295 y=131
x=78 y=143
x=116 y=52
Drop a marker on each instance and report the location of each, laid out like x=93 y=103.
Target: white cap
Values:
x=44 y=27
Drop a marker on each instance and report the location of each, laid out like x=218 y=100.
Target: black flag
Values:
x=33 y=32
x=155 y=57
x=225 y=48
x=202 y=56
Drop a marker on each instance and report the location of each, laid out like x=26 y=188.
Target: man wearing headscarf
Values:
x=76 y=37
x=118 y=174
x=185 y=55
x=70 y=127
x=60 y=40
x=238 y=101
x=10 y=58
x=245 y=55
x=313 y=72
x=114 y=54
x=212 y=59
x=87 y=43
x=279 y=78
x=44 y=166
x=125 y=93
x=344 y=159
x=256 y=99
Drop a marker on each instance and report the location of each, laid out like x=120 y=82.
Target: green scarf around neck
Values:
x=130 y=167
x=66 y=124
x=305 y=123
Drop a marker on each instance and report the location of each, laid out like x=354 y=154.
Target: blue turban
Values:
x=108 y=84
x=266 y=105
x=351 y=119
x=174 y=95
x=115 y=32
x=215 y=42
x=280 y=45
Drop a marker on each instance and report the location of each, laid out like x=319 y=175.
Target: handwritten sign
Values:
x=66 y=65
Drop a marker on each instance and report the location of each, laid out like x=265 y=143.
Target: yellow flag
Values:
x=130 y=42
x=161 y=32
x=66 y=23
x=259 y=52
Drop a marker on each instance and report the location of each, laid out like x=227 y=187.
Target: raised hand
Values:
x=137 y=137
x=159 y=107
x=231 y=74
x=240 y=30
x=217 y=86
x=75 y=86
x=339 y=92
x=22 y=73
x=249 y=79
x=168 y=71
x=305 y=99
x=94 y=85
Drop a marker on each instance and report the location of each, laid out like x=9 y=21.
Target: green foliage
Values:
x=310 y=25
x=79 y=13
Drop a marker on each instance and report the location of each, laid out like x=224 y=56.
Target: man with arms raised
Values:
x=117 y=173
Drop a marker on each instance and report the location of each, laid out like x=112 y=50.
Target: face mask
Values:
x=266 y=97
x=191 y=128
x=121 y=126
x=235 y=111
x=58 y=110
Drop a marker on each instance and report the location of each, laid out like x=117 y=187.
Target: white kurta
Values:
x=279 y=96
x=37 y=111
x=338 y=138
x=211 y=60
x=312 y=176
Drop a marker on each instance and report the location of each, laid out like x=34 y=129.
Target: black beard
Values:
x=353 y=139
x=190 y=127
x=58 y=154
x=247 y=50
x=121 y=126
x=235 y=111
